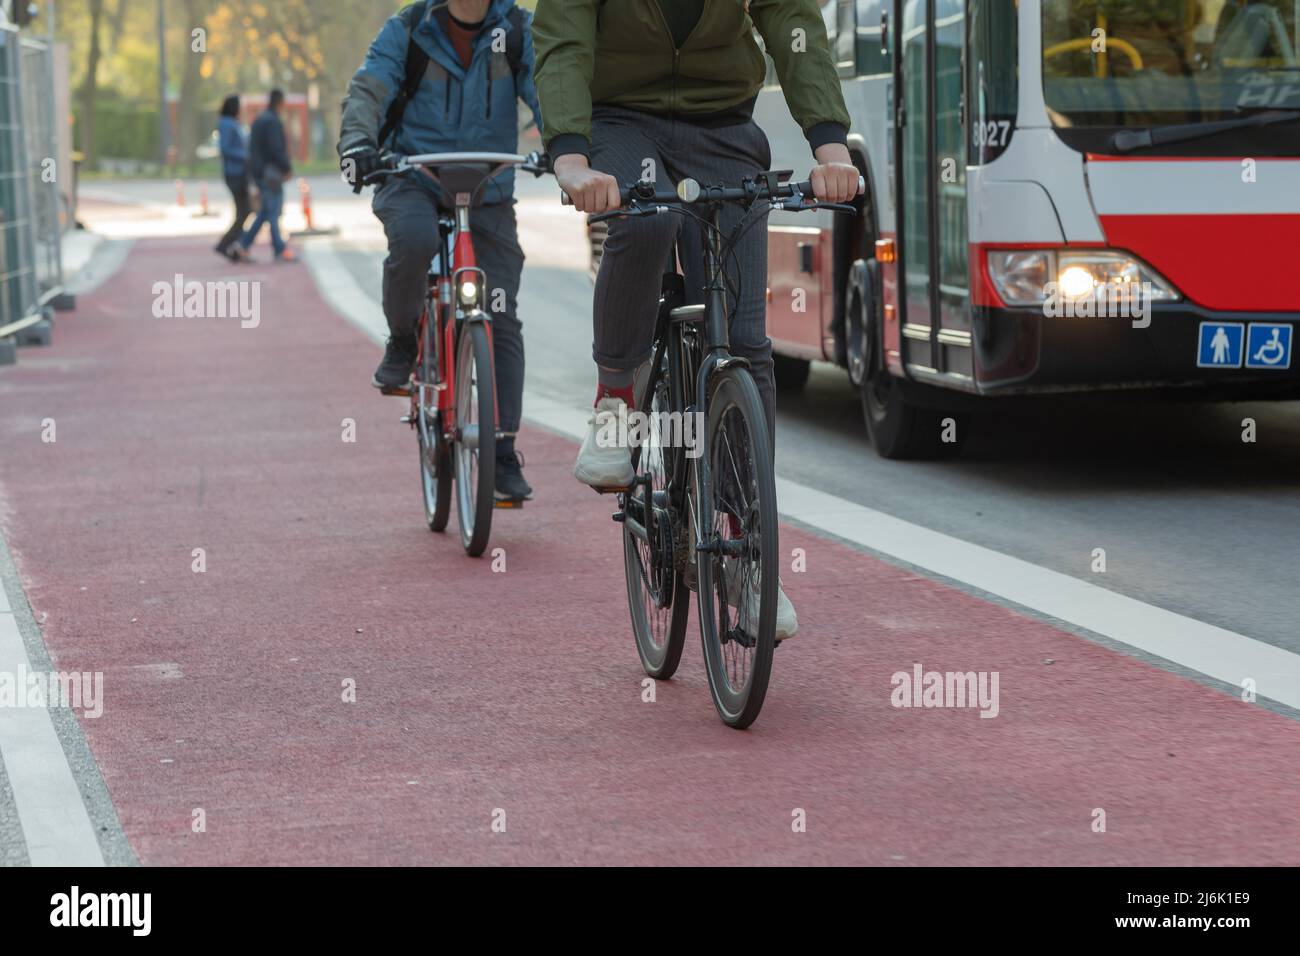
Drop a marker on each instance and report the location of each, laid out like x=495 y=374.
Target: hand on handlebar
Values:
x=834 y=179
x=357 y=164
x=589 y=190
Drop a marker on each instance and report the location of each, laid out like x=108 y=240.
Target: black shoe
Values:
x=393 y=377
x=510 y=478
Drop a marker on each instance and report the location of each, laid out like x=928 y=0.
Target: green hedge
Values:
x=122 y=130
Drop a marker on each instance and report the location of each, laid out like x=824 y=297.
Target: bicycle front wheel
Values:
x=735 y=510
x=476 y=443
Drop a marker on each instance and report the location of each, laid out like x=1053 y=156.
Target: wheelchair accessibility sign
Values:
x=1268 y=346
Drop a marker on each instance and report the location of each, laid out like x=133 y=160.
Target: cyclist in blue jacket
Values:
x=477 y=63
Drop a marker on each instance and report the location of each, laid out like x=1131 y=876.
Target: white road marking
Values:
x=53 y=816
x=1213 y=651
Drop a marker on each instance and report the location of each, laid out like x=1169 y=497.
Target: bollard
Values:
x=304 y=193
x=180 y=193
x=309 y=228
x=204 y=209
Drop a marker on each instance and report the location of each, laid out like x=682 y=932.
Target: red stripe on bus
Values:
x=1241 y=263
x=1103 y=158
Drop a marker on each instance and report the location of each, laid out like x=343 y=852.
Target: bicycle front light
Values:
x=468 y=293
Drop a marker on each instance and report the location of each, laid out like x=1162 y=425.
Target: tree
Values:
x=90 y=85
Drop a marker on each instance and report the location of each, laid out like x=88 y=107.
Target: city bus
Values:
x=1062 y=195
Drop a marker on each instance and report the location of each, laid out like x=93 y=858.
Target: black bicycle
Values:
x=700 y=514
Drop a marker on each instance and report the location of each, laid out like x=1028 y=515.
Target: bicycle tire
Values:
x=475 y=444
x=735 y=407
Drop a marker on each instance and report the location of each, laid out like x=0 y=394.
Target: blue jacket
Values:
x=234 y=151
x=454 y=108
x=268 y=152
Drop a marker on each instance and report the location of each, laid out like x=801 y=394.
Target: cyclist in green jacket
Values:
x=665 y=90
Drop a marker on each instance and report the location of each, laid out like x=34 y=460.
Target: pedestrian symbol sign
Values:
x=1221 y=345
x=1268 y=345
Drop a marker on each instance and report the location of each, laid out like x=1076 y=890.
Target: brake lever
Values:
x=801 y=206
x=628 y=212
x=833 y=207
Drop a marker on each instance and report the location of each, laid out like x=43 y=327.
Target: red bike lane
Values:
x=514 y=696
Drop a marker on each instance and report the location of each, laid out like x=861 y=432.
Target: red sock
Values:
x=605 y=391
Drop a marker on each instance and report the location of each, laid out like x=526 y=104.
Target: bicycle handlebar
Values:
x=393 y=163
x=643 y=199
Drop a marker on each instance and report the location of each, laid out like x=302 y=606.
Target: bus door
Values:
x=930 y=139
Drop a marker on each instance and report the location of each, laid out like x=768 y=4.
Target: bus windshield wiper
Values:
x=1127 y=140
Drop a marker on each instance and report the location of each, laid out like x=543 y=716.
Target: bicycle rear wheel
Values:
x=435 y=454
x=656 y=593
x=736 y=509
x=476 y=444
x=435 y=462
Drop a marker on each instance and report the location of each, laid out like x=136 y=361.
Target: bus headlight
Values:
x=468 y=293
x=1075 y=281
x=1032 y=276
x=1021 y=276
x=1082 y=273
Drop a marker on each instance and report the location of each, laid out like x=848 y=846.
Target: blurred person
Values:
x=463 y=95
x=268 y=164
x=234 y=166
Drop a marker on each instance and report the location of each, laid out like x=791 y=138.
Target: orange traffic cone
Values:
x=304 y=192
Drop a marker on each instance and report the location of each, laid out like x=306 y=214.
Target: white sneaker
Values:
x=787 y=622
x=602 y=464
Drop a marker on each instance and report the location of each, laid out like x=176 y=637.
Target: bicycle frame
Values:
x=682 y=378
x=456 y=264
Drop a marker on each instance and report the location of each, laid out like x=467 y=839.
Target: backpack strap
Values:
x=417 y=61
x=515 y=41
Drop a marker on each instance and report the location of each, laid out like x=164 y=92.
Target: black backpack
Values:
x=417 y=61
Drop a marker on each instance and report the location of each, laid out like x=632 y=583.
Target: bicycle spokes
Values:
x=738 y=536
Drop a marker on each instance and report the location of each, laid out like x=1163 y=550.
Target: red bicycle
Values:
x=453 y=385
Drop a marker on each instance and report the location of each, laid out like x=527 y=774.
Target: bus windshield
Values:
x=1153 y=62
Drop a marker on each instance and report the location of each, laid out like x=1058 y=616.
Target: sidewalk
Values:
x=479 y=692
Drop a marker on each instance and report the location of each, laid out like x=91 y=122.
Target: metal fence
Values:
x=32 y=218
x=49 y=219
x=19 y=287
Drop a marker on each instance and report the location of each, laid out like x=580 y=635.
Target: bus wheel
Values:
x=899 y=428
x=860 y=311
x=791 y=373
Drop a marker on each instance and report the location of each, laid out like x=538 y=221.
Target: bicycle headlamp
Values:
x=469 y=292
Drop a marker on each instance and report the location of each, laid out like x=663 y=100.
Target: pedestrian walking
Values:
x=234 y=167
x=269 y=166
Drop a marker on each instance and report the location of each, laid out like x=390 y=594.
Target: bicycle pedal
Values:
x=508 y=502
x=610 y=489
x=401 y=391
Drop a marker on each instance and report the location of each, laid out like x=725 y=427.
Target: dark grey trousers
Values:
x=631 y=146
x=409 y=213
